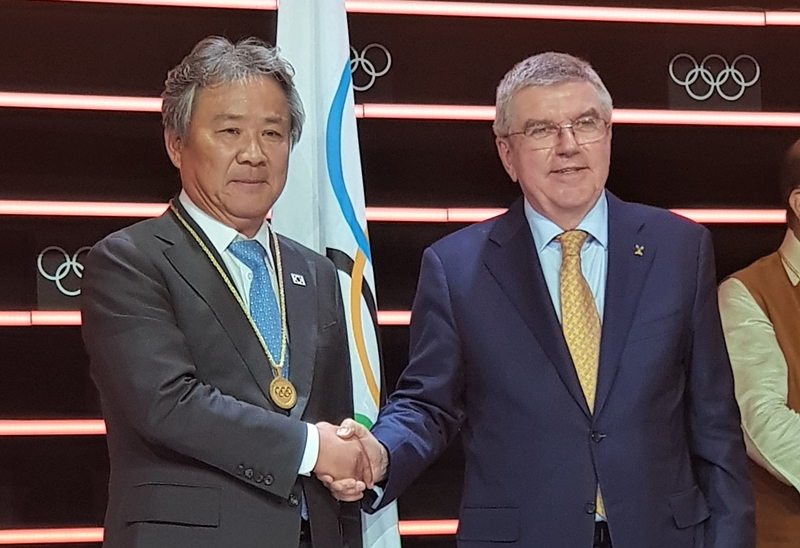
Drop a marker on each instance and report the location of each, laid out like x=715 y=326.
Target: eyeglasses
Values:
x=584 y=130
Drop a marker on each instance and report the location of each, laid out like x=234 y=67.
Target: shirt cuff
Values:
x=378 y=496
x=311 y=452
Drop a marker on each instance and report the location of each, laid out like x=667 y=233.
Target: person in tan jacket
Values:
x=760 y=309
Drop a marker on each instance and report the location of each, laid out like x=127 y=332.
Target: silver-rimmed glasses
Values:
x=585 y=130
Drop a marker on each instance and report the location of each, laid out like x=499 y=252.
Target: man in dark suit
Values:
x=576 y=344
x=219 y=348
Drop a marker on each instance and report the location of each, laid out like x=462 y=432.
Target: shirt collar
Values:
x=595 y=223
x=221 y=235
x=790 y=249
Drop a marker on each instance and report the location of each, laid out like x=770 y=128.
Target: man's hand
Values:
x=342 y=460
x=349 y=489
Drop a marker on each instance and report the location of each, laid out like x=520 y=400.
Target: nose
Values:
x=566 y=145
x=251 y=152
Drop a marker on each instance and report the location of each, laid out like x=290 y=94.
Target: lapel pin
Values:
x=298 y=279
x=638 y=250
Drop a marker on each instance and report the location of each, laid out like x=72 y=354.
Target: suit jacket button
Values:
x=590 y=508
x=268 y=479
x=597 y=437
x=259 y=478
x=293 y=501
x=240 y=469
x=248 y=473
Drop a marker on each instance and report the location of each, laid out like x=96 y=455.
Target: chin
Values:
x=249 y=211
x=578 y=198
x=253 y=214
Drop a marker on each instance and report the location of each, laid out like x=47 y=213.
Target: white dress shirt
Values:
x=771 y=428
x=221 y=236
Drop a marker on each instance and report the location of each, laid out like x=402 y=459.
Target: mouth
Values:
x=249 y=181
x=568 y=170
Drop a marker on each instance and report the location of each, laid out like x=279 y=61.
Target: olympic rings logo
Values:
x=715 y=83
x=360 y=61
x=69 y=264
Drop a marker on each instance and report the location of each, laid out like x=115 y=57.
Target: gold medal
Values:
x=282 y=393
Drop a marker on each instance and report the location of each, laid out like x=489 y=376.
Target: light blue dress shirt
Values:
x=594 y=254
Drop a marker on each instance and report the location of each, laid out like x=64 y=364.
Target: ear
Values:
x=504 y=151
x=174 y=147
x=794 y=204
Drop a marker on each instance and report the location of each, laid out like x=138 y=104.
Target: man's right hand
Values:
x=342 y=460
x=349 y=489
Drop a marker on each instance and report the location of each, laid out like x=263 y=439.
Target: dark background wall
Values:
x=63 y=47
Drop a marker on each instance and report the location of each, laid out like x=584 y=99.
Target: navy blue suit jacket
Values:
x=488 y=357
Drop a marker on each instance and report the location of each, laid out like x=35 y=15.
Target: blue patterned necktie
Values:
x=263 y=306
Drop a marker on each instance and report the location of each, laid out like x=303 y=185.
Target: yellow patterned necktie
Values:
x=580 y=320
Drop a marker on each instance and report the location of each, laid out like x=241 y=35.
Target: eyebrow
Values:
x=589 y=112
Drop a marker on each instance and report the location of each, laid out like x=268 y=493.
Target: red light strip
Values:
x=374 y=214
x=55 y=317
x=15 y=319
x=706 y=118
x=734 y=216
x=28 y=318
x=51 y=536
x=81 y=209
x=95 y=534
x=420 y=112
x=224 y=4
x=431 y=527
x=78 y=427
x=782 y=18
x=499 y=10
x=394 y=317
x=472 y=215
x=560 y=13
x=79 y=102
x=427 y=112
x=408 y=214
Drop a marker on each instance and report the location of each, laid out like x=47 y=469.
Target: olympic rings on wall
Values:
x=69 y=264
x=715 y=83
x=360 y=61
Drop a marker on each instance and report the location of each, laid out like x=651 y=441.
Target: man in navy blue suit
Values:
x=576 y=344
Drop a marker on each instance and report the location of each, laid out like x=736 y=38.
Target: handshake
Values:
x=350 y=459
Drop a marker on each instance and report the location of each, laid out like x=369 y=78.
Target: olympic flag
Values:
x=322 y=205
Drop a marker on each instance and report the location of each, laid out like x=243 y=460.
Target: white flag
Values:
x=322 y=205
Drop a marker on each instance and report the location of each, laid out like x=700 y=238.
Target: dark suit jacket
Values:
x=199 y=455
x=488 y=357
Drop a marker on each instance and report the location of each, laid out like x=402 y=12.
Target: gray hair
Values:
x=545 y=69
x=216 y=60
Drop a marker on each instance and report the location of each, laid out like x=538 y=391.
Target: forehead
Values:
x=554 y=103
x=261 y=96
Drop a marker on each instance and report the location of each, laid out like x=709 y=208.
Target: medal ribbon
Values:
x=277 y=365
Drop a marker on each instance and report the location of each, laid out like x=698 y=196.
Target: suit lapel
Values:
x=191 y=262
x=301 y=312
x=188 y=218
x=627 y=272
x=511 y=258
